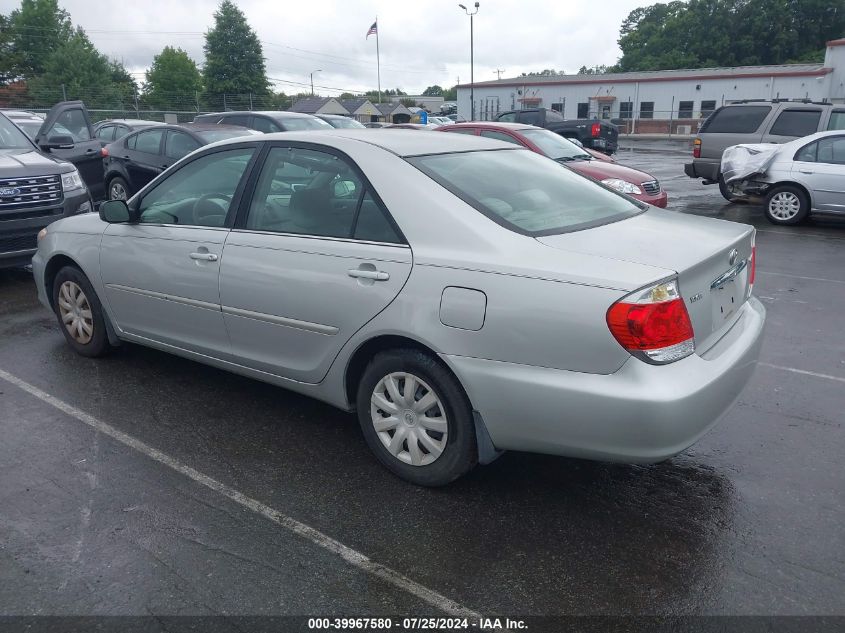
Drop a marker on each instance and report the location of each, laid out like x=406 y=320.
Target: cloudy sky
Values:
x=422 y=43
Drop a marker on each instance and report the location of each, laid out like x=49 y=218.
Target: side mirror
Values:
x=115 y=211
x=60 y=141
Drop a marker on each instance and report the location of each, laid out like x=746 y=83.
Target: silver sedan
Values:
x=463 y=296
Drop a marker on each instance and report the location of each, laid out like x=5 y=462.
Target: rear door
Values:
x=793 y=123
x=313 y=258
x=70 y=119
x=143 y=159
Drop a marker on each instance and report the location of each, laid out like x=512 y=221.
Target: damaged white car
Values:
x=795 y=178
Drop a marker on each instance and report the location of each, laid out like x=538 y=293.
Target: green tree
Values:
x=85 y=73
x=173 y=81
x=38 y=28
x=546 y=72
x=451 y=94
x=10 y=61
x=234 y=61
x=433 y=91
x=595 y=70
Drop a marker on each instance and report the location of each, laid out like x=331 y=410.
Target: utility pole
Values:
x=64 y=93
x=312 y=81
x=471 y=61
x=498 y=73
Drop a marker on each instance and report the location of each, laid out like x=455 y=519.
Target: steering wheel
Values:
x=207 y=205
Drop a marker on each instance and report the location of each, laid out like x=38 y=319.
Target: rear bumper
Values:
x=705 y=169
x=640 y=414
x=608 y=146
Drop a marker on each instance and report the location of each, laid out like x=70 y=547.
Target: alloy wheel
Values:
x=784 y=205
x=117 y=191
x=409 y=419
x=75 y=312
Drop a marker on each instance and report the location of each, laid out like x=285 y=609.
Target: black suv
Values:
x=43 y=183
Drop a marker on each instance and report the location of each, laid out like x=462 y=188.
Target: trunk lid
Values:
x=713 y=280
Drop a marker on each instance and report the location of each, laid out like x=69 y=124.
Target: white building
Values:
x=646 y=101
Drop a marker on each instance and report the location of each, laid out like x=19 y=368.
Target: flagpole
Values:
x=378 y=63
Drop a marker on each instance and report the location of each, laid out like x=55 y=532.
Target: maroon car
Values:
x=635 y=183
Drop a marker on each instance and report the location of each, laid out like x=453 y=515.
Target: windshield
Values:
x=345 y=123
x=210 y=136
x=555 y=146
x=304 y=123
x=11 y=137
x=526 y=192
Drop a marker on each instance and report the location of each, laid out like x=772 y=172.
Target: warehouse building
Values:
x=673 y=101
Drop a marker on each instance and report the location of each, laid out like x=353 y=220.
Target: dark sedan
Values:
x=133 y=161
x=267 y=121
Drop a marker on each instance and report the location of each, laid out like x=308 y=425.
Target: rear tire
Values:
x=426 y=438
x=726 y=192
x=786 y=205
x=80 y=313
x=118 y=189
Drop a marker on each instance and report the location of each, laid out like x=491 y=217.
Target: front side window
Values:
x=263 y=124
x=71 y=123
x=510 y=117
x=797 y=123
x=310 y=192
x=531 y=117
x=526 y=192
x=179 y=144
x=149 y=142
x=236 y=119
x=198 y=194
x=296 y=124
x=461 y=130
x=831 y=150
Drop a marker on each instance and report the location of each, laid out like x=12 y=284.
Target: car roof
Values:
x=400 y=142
x=495 y=125
x=138 y=122
x=278 y=114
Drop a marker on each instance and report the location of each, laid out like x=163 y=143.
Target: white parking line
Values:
x=351 y=556
x=832 y=281
x=794 y=370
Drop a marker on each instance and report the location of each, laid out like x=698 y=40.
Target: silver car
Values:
x=806 y=175
x=464 y=296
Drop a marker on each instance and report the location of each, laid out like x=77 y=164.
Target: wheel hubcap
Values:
x=409 y=419
x=784 y=205
x=118 y=192
x=75 y=312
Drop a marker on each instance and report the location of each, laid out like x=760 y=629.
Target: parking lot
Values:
x=147 y=484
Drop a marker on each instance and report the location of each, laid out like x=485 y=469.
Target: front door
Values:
x=825 y=176
x=161 y=274
x=315 y=258
x=70 y=119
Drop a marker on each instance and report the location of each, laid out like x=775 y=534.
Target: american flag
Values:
x=373 y=29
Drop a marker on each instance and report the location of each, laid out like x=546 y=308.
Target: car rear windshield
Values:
x=211 y=136
x=11 y=137
x=346 y=123
x=554 y=145
x=292 y=124
x=736 y=120
x=526 y=192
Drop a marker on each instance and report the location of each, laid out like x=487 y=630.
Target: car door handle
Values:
x=206 y=257
x=805 y=171
x=375 y=275
x=92 y=151
x=164 y=166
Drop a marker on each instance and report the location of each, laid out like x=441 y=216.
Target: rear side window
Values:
x=237 y=119
x=530 y=117
x=807 y=154
x=510 y=117
x=179 y=144
x=736 y=120
x=265 y=125
x=105 y=133
x=525 y=192
x=499 y=136
x=460 y=130
x=131 y=141
x=832 y=150
x=149 y=142
x=837 y=120
x=796 y=123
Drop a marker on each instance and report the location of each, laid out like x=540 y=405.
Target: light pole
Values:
x=471 y=63
x=312 y=81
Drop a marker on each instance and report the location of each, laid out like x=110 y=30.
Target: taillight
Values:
x=753 y=262
x=104 y=152
x=696 y=148
x=595 y=131
x=653 y=324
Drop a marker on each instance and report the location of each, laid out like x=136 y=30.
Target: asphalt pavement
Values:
x=145 y=484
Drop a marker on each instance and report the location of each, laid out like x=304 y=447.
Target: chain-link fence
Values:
x=112 y=102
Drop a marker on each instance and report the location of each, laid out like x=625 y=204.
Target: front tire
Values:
x=786 y=205
x=416 y=418
x=80 y=313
